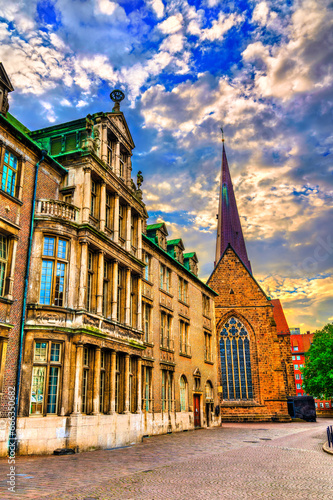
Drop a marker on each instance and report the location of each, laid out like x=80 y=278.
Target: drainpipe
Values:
x=12 y=436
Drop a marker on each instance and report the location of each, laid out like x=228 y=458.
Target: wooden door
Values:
x=196 y=407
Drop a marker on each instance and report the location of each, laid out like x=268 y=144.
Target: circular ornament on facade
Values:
x=117 y=95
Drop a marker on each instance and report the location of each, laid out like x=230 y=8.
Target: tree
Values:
x=318 y=369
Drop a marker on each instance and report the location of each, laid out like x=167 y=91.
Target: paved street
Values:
x=237 y=461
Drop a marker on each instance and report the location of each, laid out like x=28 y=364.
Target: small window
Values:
x=146 y=310
x=147 y=270
x=294 y=357
x=295 y=347
x=298 y=358
x=295 y=367
x=93 y=202
x=182 y=290
x=165 y=278
x=108 y=210
x=327 y=405
x=102 y=383
x=209 y=391
x=3 y=263
x=90 y=280
x=321 y=405
x=298 y=386
x=183 y=393
x=9 y=173
x=205 y=305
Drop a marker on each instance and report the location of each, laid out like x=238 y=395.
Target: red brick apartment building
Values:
x=300 y=344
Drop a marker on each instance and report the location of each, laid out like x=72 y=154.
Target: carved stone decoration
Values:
x=51 y=318
x=91 y=321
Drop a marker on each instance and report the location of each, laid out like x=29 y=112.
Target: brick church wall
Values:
x=241 y=296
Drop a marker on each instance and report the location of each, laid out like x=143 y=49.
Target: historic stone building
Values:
x=255 y=366
x=118 y=339
x=25 y=172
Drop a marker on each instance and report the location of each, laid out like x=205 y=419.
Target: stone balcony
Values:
x=58 y=210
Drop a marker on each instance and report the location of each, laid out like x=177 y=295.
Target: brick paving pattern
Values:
x=247 y=461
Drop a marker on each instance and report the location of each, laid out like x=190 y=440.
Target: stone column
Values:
x=78 y=379
x=97 y=378
x=139 y=238
x=116 y=219
x=86 y=195
x=104 y=143
x=139 y=313
x=128 y=243
x=102 y=207
x=112 y=407
x=114 y=291
x=100 y=280
x=117 y=159
x=10 y=278
x=65 y=378
x=126 y=385
x=139 y=386
x=128 y=297
x=83 y=274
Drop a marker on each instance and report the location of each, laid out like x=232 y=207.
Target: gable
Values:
x=4 y=79
x=120 y=123
x=234 y=284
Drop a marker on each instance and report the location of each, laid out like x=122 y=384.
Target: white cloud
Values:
x=157 y=6
x=172 y=24
x=50 y=113
x=261 y=13
x=220 y=26
x=106 y=7
x=173 y=43
x=298 y=64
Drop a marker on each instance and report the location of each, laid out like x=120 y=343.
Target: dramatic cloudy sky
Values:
x=262 y=69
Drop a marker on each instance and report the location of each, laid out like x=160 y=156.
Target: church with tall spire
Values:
x=255 y=369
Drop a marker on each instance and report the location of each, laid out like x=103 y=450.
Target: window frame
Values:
x=49 y=287
x=47 y=365
x=4 y=263
x=6 y=167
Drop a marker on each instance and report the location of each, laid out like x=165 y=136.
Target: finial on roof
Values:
x=117 y=96
x=222 y=134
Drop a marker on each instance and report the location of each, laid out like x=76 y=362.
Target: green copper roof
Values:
x=189 y=255
x=22 y=134
x=175 y=261
x=174 y=242
x=18 y=125
x=155 y=226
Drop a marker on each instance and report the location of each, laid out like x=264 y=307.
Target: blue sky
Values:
x=261 y=69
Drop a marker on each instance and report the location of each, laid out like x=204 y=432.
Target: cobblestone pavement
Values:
x=236 y=461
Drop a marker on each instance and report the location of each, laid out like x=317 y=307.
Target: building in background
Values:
x=255 y=367
x=300 y=344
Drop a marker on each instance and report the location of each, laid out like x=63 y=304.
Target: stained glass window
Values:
x=235 y=361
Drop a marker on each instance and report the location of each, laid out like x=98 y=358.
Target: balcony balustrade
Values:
x=57 y=209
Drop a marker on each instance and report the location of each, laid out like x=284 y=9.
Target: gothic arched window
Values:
x=235 y=361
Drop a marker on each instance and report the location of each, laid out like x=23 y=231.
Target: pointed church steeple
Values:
x=229 y=229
